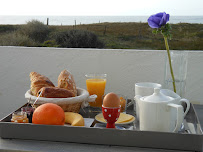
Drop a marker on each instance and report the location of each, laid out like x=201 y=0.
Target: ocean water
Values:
x=72 y=20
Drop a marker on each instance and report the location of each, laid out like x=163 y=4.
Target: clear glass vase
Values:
x=179 y=60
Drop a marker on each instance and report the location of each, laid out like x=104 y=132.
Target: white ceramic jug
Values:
x=177 y=99
x=157 y=112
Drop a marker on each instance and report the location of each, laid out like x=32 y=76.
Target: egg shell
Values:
x=111 y=100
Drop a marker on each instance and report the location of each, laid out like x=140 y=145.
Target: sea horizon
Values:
x=72 y=20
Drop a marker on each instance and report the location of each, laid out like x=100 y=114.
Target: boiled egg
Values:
x=111 y=100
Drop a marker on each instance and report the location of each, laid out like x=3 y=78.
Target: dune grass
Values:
x=129 y=35
x=139 y=35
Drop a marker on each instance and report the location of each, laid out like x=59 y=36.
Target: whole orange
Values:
x=48 y=114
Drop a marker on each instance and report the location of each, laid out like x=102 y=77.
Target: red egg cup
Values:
x=111 y=115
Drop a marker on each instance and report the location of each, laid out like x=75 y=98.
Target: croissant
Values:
x=54 y=92
x=38 y=81
x=66 y=81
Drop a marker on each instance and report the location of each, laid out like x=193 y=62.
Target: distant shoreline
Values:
x=72 y=20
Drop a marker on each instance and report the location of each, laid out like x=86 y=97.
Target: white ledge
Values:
x=124 y=68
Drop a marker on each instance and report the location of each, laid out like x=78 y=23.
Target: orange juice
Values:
x=96 y=86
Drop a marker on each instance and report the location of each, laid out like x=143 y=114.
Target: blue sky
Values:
x=101 y=7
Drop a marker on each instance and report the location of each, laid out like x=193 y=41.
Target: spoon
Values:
x=37 y=99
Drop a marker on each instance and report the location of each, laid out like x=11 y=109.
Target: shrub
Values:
x=200 y=34
x=36 y=30
x=16 y=39
x=7 y=28
x=50 y=43
x=78 y=39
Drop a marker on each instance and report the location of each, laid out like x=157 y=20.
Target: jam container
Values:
x=19 y=117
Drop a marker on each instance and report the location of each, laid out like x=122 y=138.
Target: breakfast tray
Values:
x=191 y=138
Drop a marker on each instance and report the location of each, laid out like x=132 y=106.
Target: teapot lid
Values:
x=157 y=96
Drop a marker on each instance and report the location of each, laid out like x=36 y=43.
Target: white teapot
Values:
x=158 y=112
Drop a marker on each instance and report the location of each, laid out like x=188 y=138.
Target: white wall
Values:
x=123 y=67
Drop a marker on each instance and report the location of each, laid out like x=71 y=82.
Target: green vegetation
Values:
x=16 y=39
x=77 y=39
x=35 y=30
x=103 y=35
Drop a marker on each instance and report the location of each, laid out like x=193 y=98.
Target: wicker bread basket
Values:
x=72 y=104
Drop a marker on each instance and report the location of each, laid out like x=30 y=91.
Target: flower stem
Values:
x=169 y=59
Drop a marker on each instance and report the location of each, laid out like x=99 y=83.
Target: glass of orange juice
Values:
x=96 y=85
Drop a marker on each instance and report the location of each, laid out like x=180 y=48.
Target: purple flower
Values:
x=158 y=20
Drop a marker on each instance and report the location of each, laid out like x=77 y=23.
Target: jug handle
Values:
x=180 y=115
x=188 y=105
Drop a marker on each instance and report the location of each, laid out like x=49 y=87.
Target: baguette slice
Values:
x=66 y=81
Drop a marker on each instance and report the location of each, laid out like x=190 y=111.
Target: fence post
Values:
x=47 y=21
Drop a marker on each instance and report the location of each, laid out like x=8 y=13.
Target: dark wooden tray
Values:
x=190 y=140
